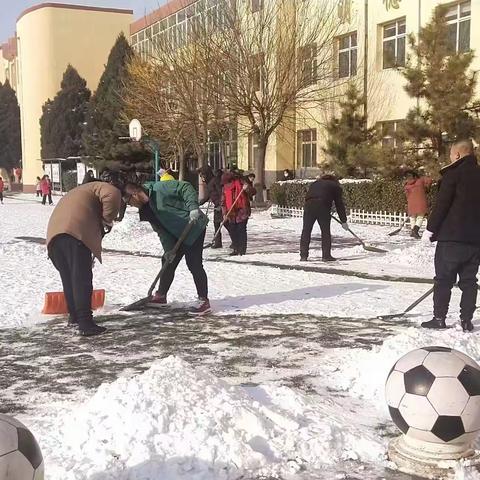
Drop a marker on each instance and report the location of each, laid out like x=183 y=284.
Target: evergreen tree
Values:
x=63 y=119
x=10 y=130
x=350 y=144
x=440 y=79
x=106 y=122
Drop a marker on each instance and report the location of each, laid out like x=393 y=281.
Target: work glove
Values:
x=345 y=226
x=107 y=228
x=427 y=236
x=195 y=215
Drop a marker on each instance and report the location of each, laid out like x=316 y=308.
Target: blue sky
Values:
x=11 y=9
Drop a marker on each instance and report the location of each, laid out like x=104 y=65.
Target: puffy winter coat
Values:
x=81 y=213
x=324 y=192
x=46 y=186
x=2 y=186
x=238 y=211
x=417 y=201
x=171 y=202
x=456 y=214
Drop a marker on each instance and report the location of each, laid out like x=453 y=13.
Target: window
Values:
x=394 y=36
x=257 y=5
x=390 y=133
x=308 y=65
x=347 y=55
x=253 y=150
x=458 y=18
x=307 y=148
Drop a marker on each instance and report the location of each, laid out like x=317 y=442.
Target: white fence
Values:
x=355 y=216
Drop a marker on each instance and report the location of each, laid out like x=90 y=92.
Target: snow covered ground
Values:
x=175 y=421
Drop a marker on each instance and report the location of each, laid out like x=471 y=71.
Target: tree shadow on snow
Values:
x=322 y=291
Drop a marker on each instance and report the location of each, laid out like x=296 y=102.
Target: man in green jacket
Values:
x=169 y=206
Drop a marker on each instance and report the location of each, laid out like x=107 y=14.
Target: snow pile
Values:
x=364 y=373
x=176 y=421
x=419 y=256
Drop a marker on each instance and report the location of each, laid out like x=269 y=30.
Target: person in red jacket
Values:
x=46 y=186
x=2 y=187
x=236 y=208
x=416 y=191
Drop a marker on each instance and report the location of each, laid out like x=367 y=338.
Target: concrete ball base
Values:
x=431 y=460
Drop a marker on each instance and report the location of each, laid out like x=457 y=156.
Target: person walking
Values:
x=46 y=186
x=236 y=198
x=74 y=238
x=416 y=192
x=2 y=188
x=321 y=196
x=38 y=187
x=169 y=206
x=455 y=224
x=214 y=195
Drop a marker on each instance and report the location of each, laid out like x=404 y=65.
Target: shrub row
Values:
x=375 y=196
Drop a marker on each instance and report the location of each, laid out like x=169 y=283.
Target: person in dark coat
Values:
x=318 y=206
x=287 y=175
x=89 y=177
x=455 y=224
x=214 y=195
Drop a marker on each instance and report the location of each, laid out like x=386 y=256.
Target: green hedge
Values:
x=376 y=196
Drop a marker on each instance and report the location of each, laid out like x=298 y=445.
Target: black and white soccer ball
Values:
x=433 y=395
x=20 y=455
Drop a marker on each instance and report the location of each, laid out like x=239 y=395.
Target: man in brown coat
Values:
x=74 y=237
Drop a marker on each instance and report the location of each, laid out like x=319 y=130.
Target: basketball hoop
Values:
x=135 y=129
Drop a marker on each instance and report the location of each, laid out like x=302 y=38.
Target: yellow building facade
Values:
x=382 y=26
x=49 y=37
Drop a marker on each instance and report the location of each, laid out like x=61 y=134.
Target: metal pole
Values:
x=155 y=151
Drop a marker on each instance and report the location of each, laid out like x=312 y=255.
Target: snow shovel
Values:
x=398 y=230
x=168 y=257
x=217 y=233
x=364 y=245
x=411 y=307
x=55 y=303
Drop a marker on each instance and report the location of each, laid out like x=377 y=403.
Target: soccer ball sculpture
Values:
x=20 y=455
x=433 y=395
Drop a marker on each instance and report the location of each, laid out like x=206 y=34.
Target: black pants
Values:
x=194 y=258
x=49 y=199
x=313 y=212
x=451 y=260
x=238 y=233
x=74 y=262
x=217 y=221
x=38 y=193
x=1 y=197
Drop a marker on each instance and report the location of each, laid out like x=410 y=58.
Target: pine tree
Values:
x=442 y=81
x=63 y=119
x=10 y=129
x=106 y=122
x=350 y=144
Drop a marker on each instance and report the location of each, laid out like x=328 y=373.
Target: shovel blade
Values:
x=136 y=305
x=56 y=304
x=374 y=249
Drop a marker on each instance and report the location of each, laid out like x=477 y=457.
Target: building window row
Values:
x=394 y=38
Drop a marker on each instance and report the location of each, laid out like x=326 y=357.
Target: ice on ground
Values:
x=175 y=421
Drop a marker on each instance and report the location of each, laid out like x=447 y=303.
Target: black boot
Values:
x=415 y=233
x=233 y=253
x=467 y=325
x=436 y=323
x=91 y=330
x=329 y=259
x=303 y=258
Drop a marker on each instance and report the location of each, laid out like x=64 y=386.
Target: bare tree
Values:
x=274 y=63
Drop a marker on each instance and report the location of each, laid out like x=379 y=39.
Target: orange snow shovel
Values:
x=55 y=303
